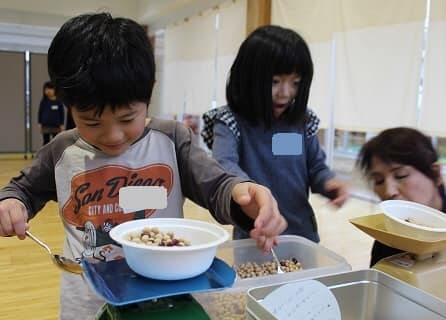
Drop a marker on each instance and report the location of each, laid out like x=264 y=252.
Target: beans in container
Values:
x=254 y=269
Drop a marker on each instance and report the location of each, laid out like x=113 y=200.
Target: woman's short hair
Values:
x=402 y=145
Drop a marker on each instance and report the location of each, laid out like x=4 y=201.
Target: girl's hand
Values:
x=339 y=191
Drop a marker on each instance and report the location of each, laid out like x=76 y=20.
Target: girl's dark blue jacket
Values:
x=51 y=113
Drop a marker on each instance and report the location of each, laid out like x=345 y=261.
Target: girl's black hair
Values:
x=268 y=51
x=96 y=60
x=46 y=85
x=402 y=145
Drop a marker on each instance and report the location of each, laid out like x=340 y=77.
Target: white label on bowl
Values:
x=303 y=300
x=135 y=198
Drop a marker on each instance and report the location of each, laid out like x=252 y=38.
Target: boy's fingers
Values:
x=13 y=219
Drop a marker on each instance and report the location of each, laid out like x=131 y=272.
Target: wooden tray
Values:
x=374 y=226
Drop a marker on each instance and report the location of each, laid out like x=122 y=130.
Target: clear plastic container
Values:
x=315 y=260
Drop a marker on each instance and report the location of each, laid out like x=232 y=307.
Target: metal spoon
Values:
x=66 y=264
x=279 y=269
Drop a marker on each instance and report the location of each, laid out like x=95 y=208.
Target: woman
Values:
x=402 y=164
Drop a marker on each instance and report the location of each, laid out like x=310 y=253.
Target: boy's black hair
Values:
x=96 y=60
x=268 y=51
x=402 y=145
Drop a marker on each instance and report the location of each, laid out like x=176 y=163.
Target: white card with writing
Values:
x=303 y=300
x=135 y=198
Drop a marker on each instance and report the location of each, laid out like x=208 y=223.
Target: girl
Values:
x=266 y=132
x=51 y=114
x=402 y=164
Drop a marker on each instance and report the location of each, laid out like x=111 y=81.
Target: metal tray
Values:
x=365 y=294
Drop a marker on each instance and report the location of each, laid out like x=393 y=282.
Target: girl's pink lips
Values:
x=280 y=106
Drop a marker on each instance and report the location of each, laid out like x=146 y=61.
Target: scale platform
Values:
x=423 y=264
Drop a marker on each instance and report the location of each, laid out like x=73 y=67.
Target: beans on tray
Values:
x=152 y=236
x=224 y=305
x=232 y=305
x=254 y=269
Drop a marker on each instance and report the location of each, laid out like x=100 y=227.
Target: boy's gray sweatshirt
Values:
x=85 y=183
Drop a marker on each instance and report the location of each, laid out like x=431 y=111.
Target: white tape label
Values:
x=135 y=198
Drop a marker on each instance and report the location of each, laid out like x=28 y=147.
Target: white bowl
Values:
x=428 y=224
x=171 y=263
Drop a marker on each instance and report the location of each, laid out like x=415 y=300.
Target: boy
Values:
x=103 y=70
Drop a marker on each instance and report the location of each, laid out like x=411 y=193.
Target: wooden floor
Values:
x=29 y=282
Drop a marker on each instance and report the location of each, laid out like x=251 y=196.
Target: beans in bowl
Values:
x=153 y=236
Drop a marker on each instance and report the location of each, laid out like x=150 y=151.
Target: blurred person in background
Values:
x=51 y=114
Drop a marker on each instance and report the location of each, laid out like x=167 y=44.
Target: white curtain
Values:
x=314 y=21
x=434 y=93
x=188 y=64
x=367 y=57
x=198 y=57
x=232 y=32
